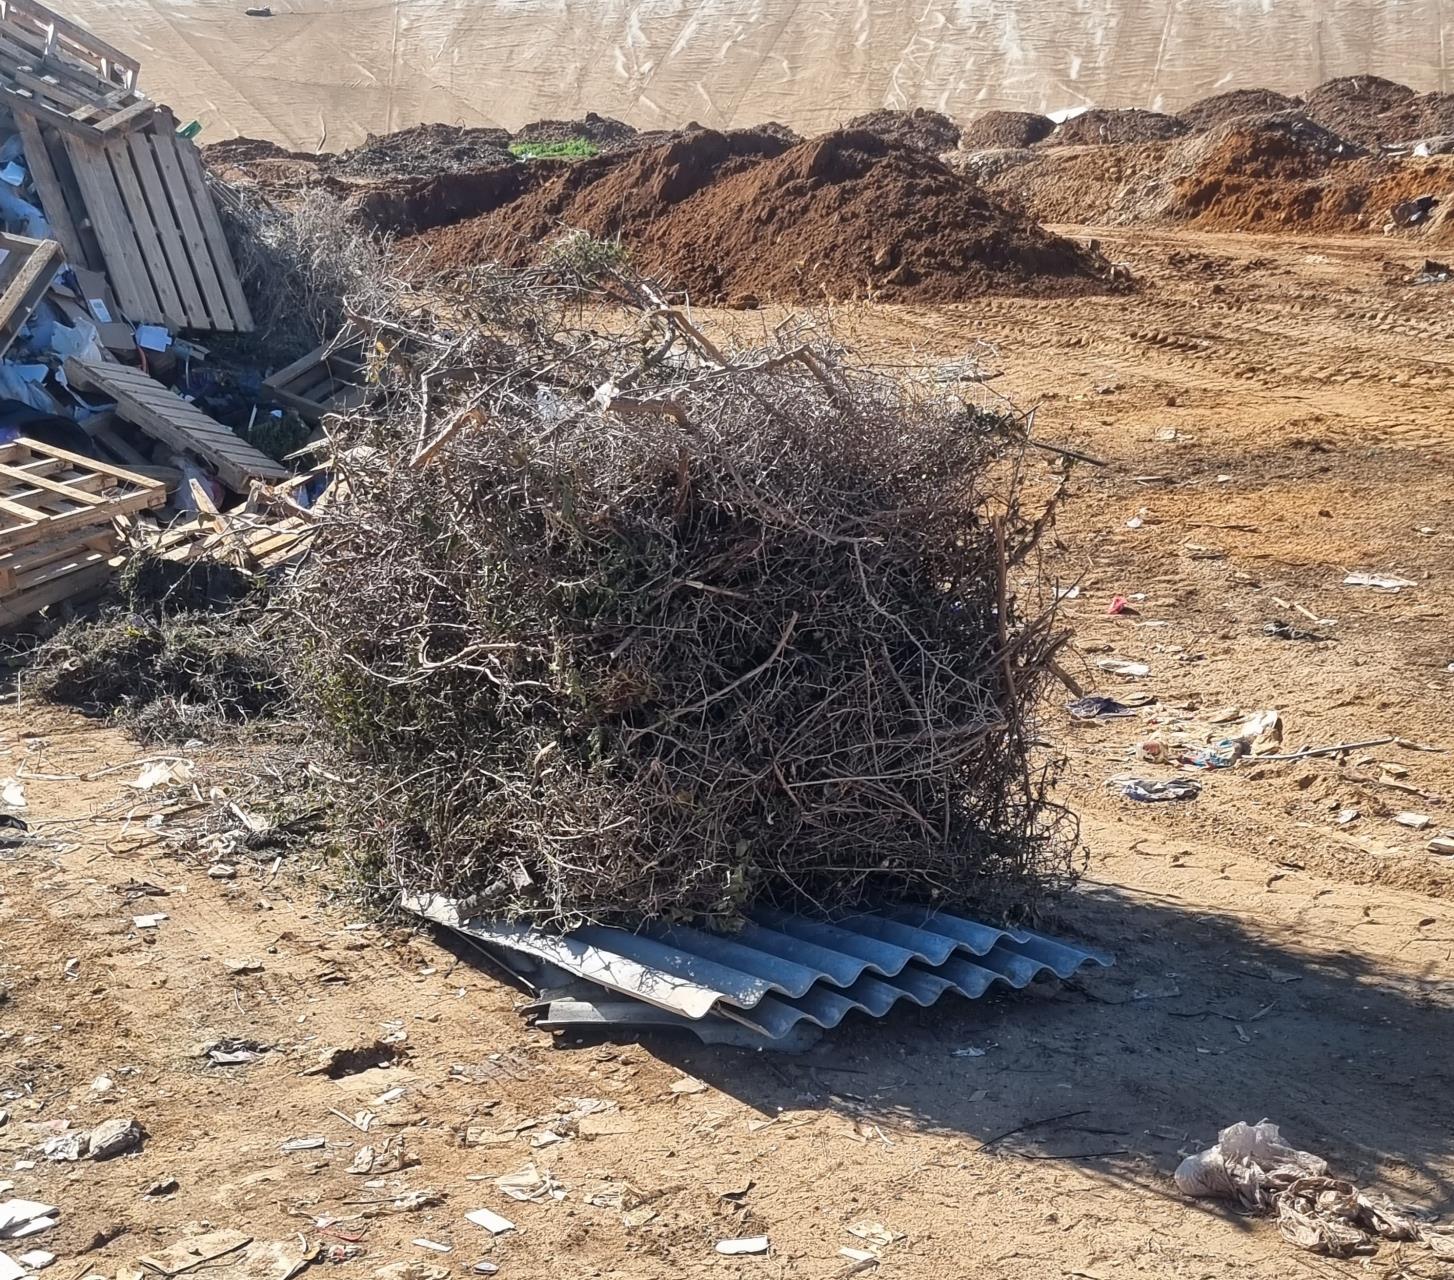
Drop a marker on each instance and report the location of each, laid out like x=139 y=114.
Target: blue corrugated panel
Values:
x=778 y=970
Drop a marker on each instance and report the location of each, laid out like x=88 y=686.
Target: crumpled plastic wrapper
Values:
x=1254 y=1167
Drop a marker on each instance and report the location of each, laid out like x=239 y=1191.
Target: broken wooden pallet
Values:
x=57 y=523
x=160 y=413
x=27 y=268
x=46 y=492
x=326 y=380
x=137 y=206
x=56 y=39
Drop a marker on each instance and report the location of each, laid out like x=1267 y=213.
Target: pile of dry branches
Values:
x=620 y=623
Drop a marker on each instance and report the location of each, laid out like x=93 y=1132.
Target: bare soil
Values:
x=1273 y=414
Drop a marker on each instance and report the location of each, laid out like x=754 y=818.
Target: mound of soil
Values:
x=1285 y=146
x=424 y=151
x=920 y=128
x=1354 y=106
x=741 y=217
x=1104 y=127
x=608 y=135
x=1001 y=130
x=1208 y=113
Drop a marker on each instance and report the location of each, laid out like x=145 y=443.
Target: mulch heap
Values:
x=608 y=135
x=1208 y=113
x=740 y=218
x=1100 y=127
x=925 y=130
x=1377 y=112
x=422 y=151
x=1002 y=130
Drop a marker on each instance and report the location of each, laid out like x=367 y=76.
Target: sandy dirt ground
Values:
x=364 y=67
x=1276 y=414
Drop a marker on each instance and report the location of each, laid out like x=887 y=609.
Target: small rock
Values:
x=221 y=871
x=165 y=1187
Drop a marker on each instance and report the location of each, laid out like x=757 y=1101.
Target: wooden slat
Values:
x=37 y=262
x=144 y=158
x=143 y=225
x=66 y=491
x=175 y=182
x=169 y=418
x=48 y=187
x=24 y=447
x=124 y=267
x=17 y=608
x=212 y=227
x=24 y=101
x=92 y=258
x=132 y=117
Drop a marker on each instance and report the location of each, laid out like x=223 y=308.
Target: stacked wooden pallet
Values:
x=57 y=530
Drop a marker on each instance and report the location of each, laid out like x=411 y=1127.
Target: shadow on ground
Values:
x=1202 y=1022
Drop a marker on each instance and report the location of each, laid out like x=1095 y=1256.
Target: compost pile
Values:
x=1102 y=126
x=603 y=132
x=423 y=151
x=921 y=128
x=621 y=624
x=743 y=217
x=999 y=130
x=1208 y=113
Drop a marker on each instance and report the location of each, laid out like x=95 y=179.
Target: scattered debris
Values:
x=162 y=1187
x=1096 y=706
x=874 y=1231
x=303 y=1144
x=490 y=1220
x=688 y=1084
x=411 y=1271
x=1379 y=581
x=1442 y=844
x=1252 y=1166
x=747 y=1244
x=149 y=921
x=1283 y=630
x=1152 y=790
x=1414 y=821
x=21 y=1218
x=186 y=1255
x=66 y=1146
x=530 y=1183
x=433 y=1245
x=115 y=1138
x=1123 y=667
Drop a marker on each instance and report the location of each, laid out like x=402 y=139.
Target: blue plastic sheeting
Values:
x=778 y=970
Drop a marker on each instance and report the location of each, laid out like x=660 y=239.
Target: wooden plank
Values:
x=280 y=378
x=92 y=260
x=132 y=117
x=176 y=422
x=17 y=608
x=36 y=262
x=143 y=225
x=212 y=227
x=164 y=151
x=124 y=267
x=48 y=187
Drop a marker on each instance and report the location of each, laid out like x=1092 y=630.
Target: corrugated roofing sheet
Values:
x=780 y=969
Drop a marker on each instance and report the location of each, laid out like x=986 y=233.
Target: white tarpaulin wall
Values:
x=334 y=70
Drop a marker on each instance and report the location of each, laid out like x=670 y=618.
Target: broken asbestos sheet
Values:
x=779 y=970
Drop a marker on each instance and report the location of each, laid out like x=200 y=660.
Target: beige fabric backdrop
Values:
x=331 y=71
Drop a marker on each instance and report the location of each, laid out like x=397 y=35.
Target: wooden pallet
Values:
x=53 y=38
x=27 y=268
x=57 y=523
x=324 y=381
x=160 y=413
x=57 y=72
x=137 y=206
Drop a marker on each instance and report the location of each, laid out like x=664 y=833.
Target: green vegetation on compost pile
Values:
x=570 y=149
